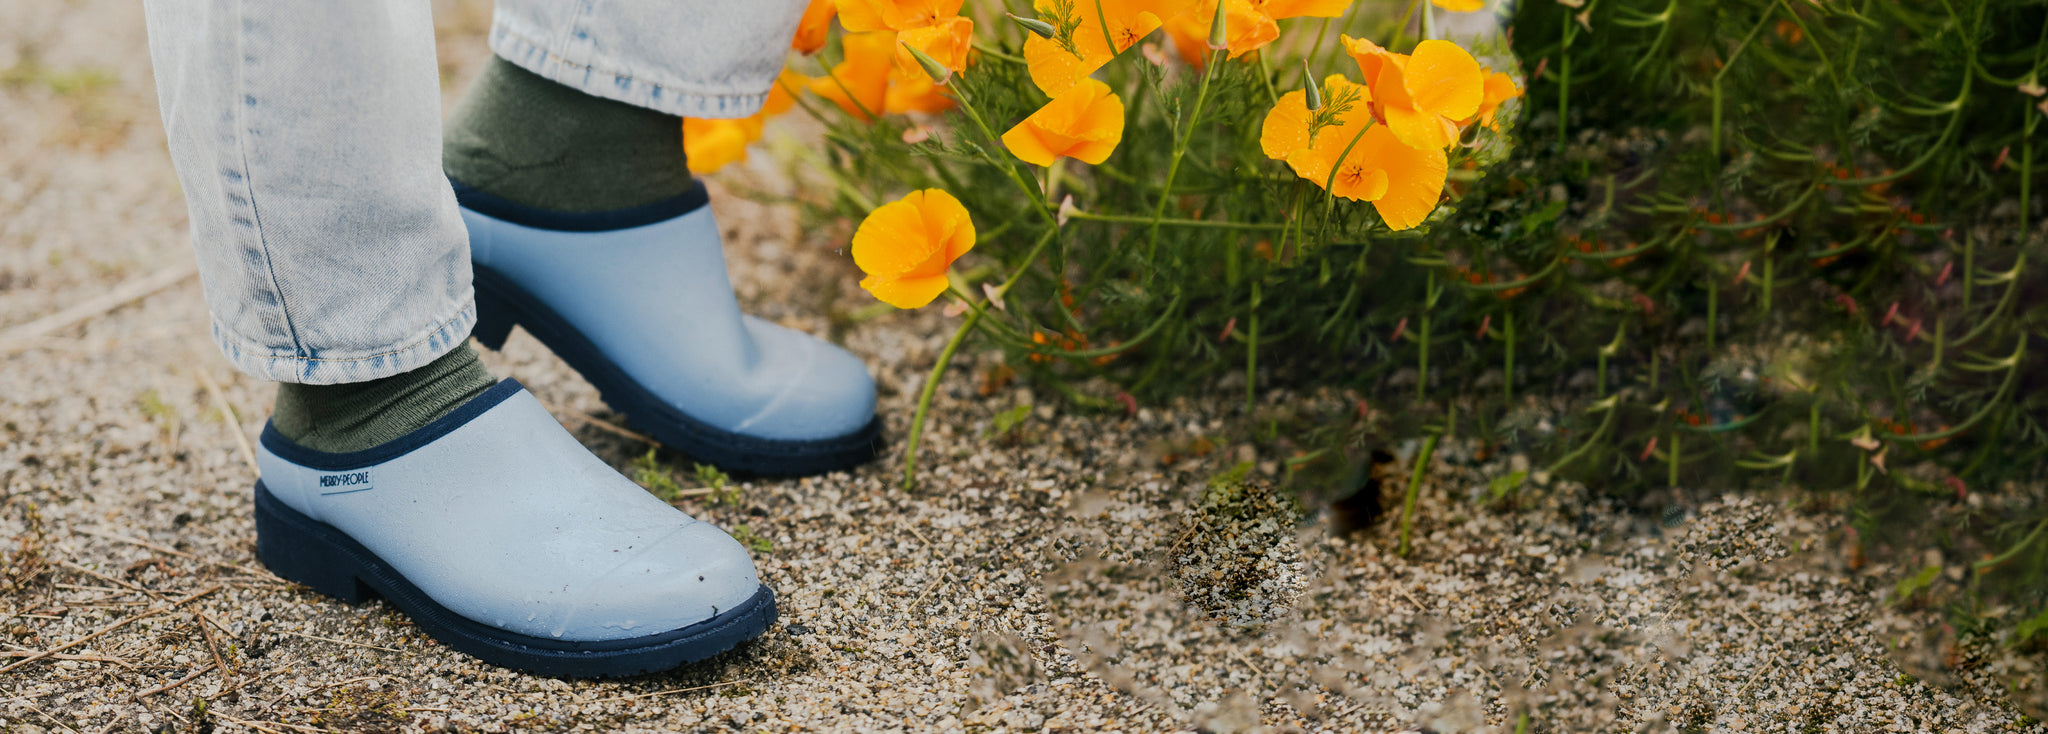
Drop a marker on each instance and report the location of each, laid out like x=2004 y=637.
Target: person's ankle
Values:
x=520 y=137
x=355 y=416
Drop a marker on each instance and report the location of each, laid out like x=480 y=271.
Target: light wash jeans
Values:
x=307 y=137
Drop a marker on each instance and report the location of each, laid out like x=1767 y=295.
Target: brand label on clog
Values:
x=345 y=482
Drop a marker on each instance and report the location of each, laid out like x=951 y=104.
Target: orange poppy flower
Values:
x=945 y=40
x=1459 y=6
x=859 y=84
x=713 y=144
x=811 y=30
x=906 y=246
x=1101 y=30
x=1402 y=182
x=1420 y=96
x=1251 y=24
x=860 y=16
x=1286 y=128
x=1085 y=123
x=914 y=93
x=1499 y=89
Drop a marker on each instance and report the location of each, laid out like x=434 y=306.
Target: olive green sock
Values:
x=520 y=137
x=360 y=415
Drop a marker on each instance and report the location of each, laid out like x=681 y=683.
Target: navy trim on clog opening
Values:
x=506 y=210
x=406 y=444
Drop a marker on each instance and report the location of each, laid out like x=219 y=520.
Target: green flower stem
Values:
x=1422 y=363
x=1031 y=192
x=1619 y=254
x=1518 y=283
x=1322 y=34
x=1173 y=222
x=931 y=383
x=1591 y=441
x=1507 y=327
x=1993 y=562
x=1414 y=490
x=850 y=96
x=1675 y=446
x=1401 y=28
x=1789 y=210
x=2012 y=373
x=993 y=52
x=2012 y=281
x=1613 y=347
x=1251 y=353
x=1723 y=71
x=1564 y=83
x=1266 y=74
x=1180 y=149
x=1109 y=42
x=1770 y=270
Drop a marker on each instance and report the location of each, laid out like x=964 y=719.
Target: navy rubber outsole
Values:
x=307 y=551
x=500 y=304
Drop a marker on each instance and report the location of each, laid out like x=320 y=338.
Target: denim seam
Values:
x=249 y=183
x=468 y=307
x=681 y=93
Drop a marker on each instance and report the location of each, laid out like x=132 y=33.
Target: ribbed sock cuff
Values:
x=362 y=415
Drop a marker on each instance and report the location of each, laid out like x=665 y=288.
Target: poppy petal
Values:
x=1415 y=177
x=1286 y=127
x=1445 y=80
x=905 y=292
x=892 y=241
x=1416 y=128
x=1284 y=9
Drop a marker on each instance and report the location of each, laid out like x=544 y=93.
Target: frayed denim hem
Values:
x=313 y=367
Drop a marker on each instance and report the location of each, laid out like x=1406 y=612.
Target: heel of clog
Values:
x=493 y=319
x=291 y=546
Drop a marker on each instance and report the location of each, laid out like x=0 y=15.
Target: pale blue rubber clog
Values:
x=638 y=301
x=504 y=538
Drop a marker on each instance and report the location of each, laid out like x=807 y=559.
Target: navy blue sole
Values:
x=500 y=304
x=300 y=549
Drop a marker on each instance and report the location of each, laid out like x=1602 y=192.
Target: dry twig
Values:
x=233 y=420
x=174 y=552
x=60 y=656
x=226 y=672
x=109 y=628
x=179 y=682
x=111 y=580
x=22 y=336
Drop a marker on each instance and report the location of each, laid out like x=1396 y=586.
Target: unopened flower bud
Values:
x=1315 y=95
x=938 y=72
x=1219 y=29
x=1042 y=28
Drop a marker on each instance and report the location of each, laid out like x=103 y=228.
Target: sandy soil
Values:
x=1038 y=580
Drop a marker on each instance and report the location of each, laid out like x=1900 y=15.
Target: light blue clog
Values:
x=637 y=300
x=504 y=538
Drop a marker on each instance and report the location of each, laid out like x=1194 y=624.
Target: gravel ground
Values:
x=1067 y=574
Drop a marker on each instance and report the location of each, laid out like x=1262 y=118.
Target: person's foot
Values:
x=502 y=537
x=586 y=230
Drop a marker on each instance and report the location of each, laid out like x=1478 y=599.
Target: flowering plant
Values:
x=1136 y=173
